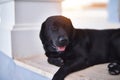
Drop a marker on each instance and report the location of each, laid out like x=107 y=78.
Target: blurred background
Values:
x=98 y=14
x=87 y=13
x=20 y=21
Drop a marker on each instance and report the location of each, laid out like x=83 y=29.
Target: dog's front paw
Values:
x=114 y=68
x=56 y=61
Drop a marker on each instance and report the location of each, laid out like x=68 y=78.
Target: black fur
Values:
x=76 y=49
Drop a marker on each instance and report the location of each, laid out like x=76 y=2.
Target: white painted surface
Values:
x=40 y=0
x=94 y=18
x=29 y=16
x=6 y=24
x=35 y=12
x=24 y=19
x=114 y=10
x=26 y=42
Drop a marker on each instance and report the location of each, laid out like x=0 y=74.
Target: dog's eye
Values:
x=54 y=28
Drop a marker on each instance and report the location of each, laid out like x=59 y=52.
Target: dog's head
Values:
x=56 y=33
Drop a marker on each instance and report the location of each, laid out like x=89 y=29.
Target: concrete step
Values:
x=38 y=64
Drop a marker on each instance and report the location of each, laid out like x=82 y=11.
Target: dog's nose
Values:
x=63 y=40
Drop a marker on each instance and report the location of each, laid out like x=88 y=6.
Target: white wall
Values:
x=29 y=16
x=24 y=18
x=114 y=10
x=6 y=25
x=101 y=18
x=35 y=12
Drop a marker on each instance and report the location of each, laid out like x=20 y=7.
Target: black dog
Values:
x=76 y=49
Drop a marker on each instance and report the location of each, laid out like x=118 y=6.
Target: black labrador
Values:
x=76 y=49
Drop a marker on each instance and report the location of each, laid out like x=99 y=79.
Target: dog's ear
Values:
x=71 y=29
x=42 y=33
x=70 y=24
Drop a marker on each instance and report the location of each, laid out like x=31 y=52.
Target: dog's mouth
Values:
x=60 y=46
x=61 y=49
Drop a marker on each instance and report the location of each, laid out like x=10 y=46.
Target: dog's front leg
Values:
x=61 y=73
x=70 y=67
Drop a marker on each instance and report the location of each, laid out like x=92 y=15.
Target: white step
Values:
x=38 y=64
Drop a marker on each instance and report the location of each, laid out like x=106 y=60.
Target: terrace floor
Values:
x=39 y=65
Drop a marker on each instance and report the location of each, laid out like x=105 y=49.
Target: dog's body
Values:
x=76 y=49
